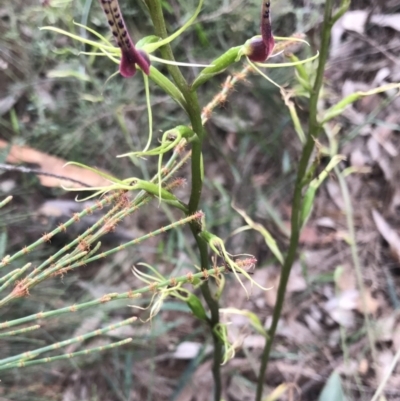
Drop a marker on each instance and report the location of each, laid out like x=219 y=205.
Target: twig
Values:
x=28 y=170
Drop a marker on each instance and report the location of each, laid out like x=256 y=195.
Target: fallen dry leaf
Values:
x=199 y=385
x=387 y=232
x=371 y=303
x=363 y=366
x=387 y=20
x=383 y=132
x=384 y=327
x=396 y=338
x=382 y=368
x=53 y=165
x=347 y=279
x=340 y=308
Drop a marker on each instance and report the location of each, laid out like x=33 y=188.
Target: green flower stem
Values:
x=19 y=331
x=24 y=364
x=194 y=112
x=314 y=129
x=193 y=107
x=12 y=361
x=171 y=282
x=213 y=305
x=156 y=14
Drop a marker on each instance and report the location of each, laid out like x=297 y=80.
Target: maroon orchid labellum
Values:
x=130 y=56
x=260 y=48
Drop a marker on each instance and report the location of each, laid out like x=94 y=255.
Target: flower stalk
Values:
x=314 y=129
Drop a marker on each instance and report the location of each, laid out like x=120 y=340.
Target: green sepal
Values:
x=218 y=65
x=162 y=194
x=196 y=307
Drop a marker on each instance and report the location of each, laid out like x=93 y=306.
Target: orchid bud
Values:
x=130 y=56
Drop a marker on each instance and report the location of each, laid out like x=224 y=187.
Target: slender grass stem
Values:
x=356 y=260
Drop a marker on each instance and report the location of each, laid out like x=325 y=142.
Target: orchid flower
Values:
x=131 y=57
x=127 y=55
x=256 y=50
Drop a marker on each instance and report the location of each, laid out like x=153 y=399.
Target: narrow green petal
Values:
x=291 y=64
x=154 y=46
x=95 y=33
x=262 y=74
x=291 y=39
x=76 y=37
x=149 y=111
x=161 y=60
x=100 y=173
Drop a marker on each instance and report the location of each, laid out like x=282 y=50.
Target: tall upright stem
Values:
x=194 y=112
x=314 y=129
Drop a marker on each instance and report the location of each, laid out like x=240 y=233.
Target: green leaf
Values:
x=309 y=196
x=333 y=389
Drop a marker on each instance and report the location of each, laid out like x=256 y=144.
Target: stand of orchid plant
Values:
x=20 y=281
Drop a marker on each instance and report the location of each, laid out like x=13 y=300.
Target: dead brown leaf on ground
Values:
x=54 y=165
